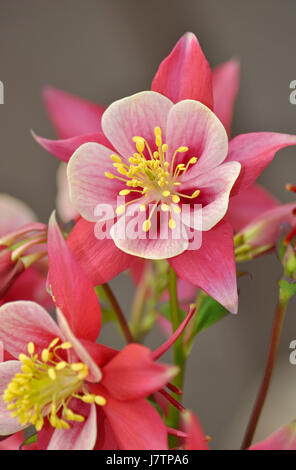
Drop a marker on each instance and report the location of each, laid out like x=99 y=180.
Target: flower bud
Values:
x=9 y=269
x=260 y=236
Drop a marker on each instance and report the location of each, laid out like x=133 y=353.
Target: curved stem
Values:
x=120 y=316
x=272 y=354
x=179 y=356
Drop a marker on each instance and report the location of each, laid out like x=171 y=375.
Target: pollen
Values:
x=146 y=225
x=45 y=387
x=154 y=175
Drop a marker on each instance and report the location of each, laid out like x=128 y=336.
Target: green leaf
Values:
x=30 y=440
x=209 y=313
x=165 y=311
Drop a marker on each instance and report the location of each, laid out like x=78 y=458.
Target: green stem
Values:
x=179 y=356
x=269 y=367
x=120 y=316
x=139 y=303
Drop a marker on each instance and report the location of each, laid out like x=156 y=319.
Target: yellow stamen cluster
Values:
x=151 y=175
x=45 y=387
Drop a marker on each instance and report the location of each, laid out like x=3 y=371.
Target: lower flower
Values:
x=76 y=400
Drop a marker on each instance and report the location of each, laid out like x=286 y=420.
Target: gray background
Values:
x=105 y=50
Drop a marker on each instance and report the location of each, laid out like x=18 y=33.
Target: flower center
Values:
x=154 y=177
x=46 y=386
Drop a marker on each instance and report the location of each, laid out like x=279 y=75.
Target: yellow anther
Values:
x=39 y=424
x=115 y=158
x=31 y=348
x=140 y=143
x=22 y=357
x=71 y=416
x=52 y=374
x=196 y=193
x=101 y=401
x=166 y=193
x=64 y=424
x=53 y=343
x=164 y=148
x=109 y=175
x=66 y=345
x=88 y=398
x=172 y=224
x=45 y=355
x=26 y=369
x=83 y=374
x=182 y=149
x=146 y=225
x=11 y=407
x=121 y=169
x=120 y=210
x=158 y=141
x=193 y=160
x=77 y=366
x=157 y=131
x=61 y=365
x=164 y=207
x=175 y=198
x=124 y=192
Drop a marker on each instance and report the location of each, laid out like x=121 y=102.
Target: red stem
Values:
x=272 y=354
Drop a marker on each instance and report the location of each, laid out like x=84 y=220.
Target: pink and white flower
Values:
x=184 y=78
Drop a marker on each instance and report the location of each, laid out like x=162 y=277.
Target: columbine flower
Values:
x=282 y=439
x=183 y=75
x=261 y=233
x=20 y=235
x=154 y=166
x=77 y=393
x=196 y=439
x=155 y=169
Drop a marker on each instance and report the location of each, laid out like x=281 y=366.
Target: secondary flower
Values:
x=260 y=235
x=20 y=234
x=77 y=393
x=263 y=230
x=196 y=439
x=183 y=75
x=282 y=439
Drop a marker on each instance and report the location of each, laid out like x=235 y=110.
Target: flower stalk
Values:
x=179 y=355
x=269 y=368
x=119 y=314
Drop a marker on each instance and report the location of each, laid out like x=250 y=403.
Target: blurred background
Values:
x=104 y=50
